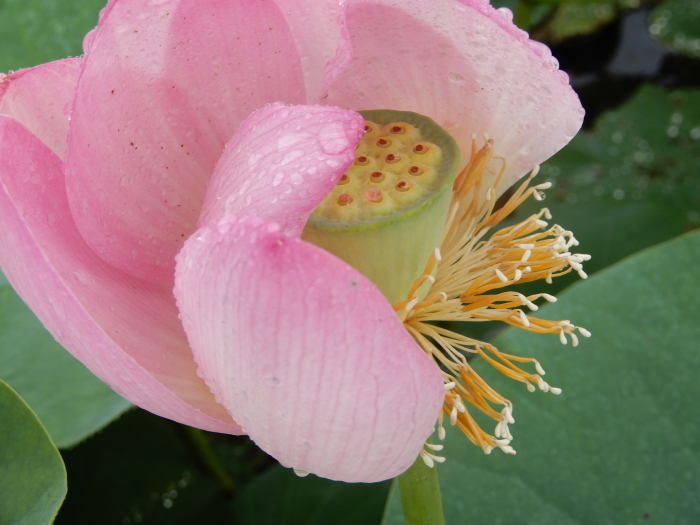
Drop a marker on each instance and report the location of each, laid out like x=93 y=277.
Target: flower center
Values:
x=395 y=166
x=387 y=213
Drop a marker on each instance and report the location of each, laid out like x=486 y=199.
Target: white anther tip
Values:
x=584 y=332
x=437 y=254
x=501 y=276
x=300 y=473
x=530 y=387
x=539 y=368
x=450 y=385
x=562 y=337
x=427 y=460
x=411 y=304
x=441 y=433
x=554 y=390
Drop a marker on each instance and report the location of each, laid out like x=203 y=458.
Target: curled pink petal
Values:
x=282 y=162
x=315 y=27
x=41 y=98
x=466 y=66
x=125 y=330
x=305 y=352
x=164 y=87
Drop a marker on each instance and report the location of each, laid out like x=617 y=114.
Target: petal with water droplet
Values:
x=160 y=95
x=466 y=66
x=305 y=352
x=277 y=144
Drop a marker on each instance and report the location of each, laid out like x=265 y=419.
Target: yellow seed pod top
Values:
x=403 y=162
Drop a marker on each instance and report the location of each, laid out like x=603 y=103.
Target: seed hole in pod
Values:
x=383 y=143
x=420 y=149
x=415 y=171
x=392 y=159
x=377 y=176
x=403 y=186
x=361 y=161
x=344 y=199
x=373 y=195
x=398 y=130
x=368 y=128
x=344 y=179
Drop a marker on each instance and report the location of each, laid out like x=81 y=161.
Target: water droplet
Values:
x=505 y=13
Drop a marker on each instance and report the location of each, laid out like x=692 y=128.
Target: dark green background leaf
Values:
x=32 y=479
x=70 y=401
x=676 y=23
x=140 y=469
x=37 y=31
x=620 y=445
x=145 y=469
x=279 y=496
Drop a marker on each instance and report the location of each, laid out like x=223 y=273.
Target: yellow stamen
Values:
x=474 y=268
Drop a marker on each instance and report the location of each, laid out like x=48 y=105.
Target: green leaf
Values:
x=33 y=480
x=37 y=31
x=620 y=445
x=141 y=469
x=149 y=471
x=279 y=496
x=571 y=19
x=676 y=24
x=70 y=401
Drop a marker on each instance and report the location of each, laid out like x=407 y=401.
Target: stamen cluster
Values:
x=474 y=266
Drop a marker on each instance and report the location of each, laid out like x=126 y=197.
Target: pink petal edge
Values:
x=41 y=99
x=281 y=163
x=126 y=331
x=305 y=352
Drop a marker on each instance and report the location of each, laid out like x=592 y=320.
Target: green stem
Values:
x=420 y=495
x=206 y=455
x=523 y=14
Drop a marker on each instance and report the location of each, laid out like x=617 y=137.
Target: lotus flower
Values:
x=155 y=190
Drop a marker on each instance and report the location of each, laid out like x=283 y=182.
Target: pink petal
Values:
x=282 y=162
x=126 y=331
x=315 y=26
x=465 y=65
x=305 y=352
x=40 y=98
x=164 y=87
